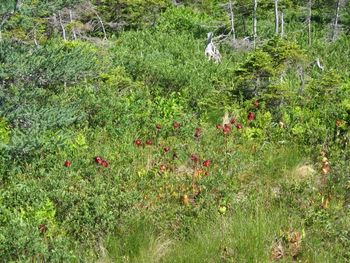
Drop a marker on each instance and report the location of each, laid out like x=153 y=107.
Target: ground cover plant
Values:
x=121 y=141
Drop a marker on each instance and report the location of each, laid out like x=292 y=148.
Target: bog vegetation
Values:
x=174 y=131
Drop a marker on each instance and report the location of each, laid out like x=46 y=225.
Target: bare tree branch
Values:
x=318 y=63
x=103 y=27
x=34 y=36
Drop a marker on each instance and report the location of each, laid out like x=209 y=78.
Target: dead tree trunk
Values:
x=282 y=24
x=244 y=23
x=276 y=17
x=71 y=20
x=254 y=22
x=18 y=5
x=232 y=23
x=309 y=22
x=335 y=24
x=211 y=51
x=62 y=26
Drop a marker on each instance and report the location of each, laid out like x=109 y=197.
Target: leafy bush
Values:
x=35 y=124
x=141 y=140
x=55 y=63
x=183 y=19
x=174 y=64
x=132 y=14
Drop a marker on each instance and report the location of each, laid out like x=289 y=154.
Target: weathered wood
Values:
x=232 y=14
x=62 y=26
x=282 y=24
x=276 y=16
x=309 y=22
x=71 y=20
x=336 y=18
x=211 y=51
x=102 y=25
x=254 y=22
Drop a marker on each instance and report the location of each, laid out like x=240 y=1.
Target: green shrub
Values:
x=183 y=19
x=55 y=63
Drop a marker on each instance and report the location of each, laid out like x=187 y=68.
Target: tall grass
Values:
x=250 y=229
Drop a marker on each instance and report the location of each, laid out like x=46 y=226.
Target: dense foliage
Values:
x=121 y=141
